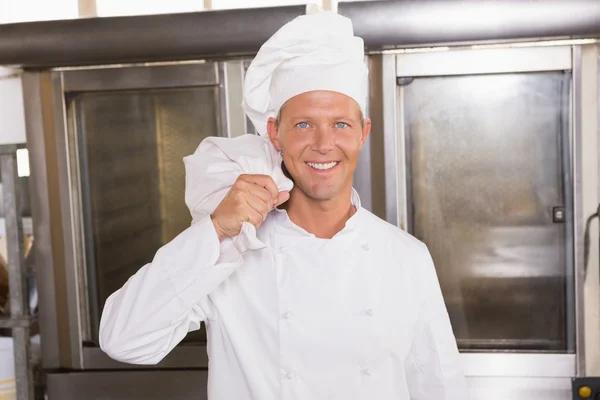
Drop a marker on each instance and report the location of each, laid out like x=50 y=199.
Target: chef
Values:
x=322 y=299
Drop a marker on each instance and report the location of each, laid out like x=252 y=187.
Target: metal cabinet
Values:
x=106 y=151
x=480 y=164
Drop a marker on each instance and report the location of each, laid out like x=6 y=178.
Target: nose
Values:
x=324 y=139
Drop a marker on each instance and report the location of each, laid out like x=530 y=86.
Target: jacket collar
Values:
x=286 y=227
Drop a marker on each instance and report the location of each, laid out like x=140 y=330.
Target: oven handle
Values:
x=586 y=241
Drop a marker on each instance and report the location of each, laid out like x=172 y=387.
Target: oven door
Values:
x=107 y=150
x=479 y=166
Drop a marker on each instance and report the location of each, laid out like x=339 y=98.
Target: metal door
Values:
x=114 y=146
x=479 y=145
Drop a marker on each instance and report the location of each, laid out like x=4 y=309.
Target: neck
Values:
x=321 y=218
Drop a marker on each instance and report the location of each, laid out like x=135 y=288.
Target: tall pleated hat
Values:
x=312 y=52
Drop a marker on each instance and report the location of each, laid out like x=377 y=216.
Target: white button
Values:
x=369 y=311
x=282 y=249
x=290 y=375
x=367 y=371
x=365 y=246
x=288 y=315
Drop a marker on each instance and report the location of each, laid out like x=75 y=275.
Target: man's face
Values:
x=320 y=134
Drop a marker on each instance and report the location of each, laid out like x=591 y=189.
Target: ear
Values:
x=365 y=132
x=272 y=131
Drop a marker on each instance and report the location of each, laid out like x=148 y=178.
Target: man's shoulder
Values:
x=388 y=234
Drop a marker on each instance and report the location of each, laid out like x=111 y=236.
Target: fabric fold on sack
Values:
x=215 y=166
x=312 y=52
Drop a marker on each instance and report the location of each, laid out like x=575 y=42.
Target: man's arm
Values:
x=145 y=319
x=433 y=366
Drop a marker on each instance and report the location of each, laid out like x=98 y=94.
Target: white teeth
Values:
x=323 y=166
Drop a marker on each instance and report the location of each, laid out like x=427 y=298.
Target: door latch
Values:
x=558 y=214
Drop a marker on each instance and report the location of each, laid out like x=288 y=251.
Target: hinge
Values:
x=404 y=80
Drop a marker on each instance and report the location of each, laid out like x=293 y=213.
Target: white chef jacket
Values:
x=358 y=316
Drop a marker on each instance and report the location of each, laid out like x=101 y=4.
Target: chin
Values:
x=319 y=193
x=321 y=196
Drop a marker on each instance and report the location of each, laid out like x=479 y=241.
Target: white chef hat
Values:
x=312 y=52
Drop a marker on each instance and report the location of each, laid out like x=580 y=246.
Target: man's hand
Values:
x=250 y=199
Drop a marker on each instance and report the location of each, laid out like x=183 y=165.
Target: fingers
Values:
x=255 y=217
x=261 y=193
x=255 y=196
x=262 y=180
x=258 y=205
x=282 y=197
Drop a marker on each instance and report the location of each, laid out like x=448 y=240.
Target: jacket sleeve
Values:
x=155 y=309
x=433 y=366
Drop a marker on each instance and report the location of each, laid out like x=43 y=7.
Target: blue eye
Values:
x=341 y=125
x=302 y=125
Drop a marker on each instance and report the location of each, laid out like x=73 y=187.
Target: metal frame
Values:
x=382 y=25
x=84 y=225
x=578 y=223
x=589 y=198
x=145 y=38
x=19 y=320
x=149 y=385
x=393 y=153
x=455 y=62
x=48 y=249
x=369 y=177
x=236 y=118
x=531 y=365
x=484 y=61
x=399 y=24
x=506 y=387
x=250 y=128
x=223 y=120
x=140 y=77
x=58 y=201
x=568 y=157
x=181 y=357
x=68 y=172
x=362 y=177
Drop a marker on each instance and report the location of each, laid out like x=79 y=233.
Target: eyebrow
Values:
x=347 y=117
x=337 y=117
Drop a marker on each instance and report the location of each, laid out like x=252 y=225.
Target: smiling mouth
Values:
x=322 y=166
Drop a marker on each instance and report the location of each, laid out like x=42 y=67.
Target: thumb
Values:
x=282 y=197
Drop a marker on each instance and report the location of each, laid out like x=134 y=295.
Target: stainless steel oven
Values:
x=483 y=163
x=106 y=150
